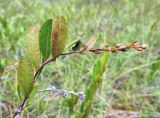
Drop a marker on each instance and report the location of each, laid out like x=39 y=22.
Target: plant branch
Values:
x=20 y=107
x=116 y=48
x=64 y=93
x=41 y=67
x=84 y=49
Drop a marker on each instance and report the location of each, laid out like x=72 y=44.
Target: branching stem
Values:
x=116 y=48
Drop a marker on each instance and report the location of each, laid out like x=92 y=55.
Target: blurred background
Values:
x=132 y=81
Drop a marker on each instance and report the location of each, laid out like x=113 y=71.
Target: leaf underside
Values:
x=59 y=35
x=32 y=45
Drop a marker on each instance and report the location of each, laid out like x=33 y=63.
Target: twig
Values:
x=20 y=107
x=41 y=67
x=65 y=93
x=116 y=48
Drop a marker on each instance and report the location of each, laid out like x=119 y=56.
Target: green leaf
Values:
x=97 y=77
x=100 y=67
x=45 y=39
x=32 y=44
x=59 y=35
x=25 y=73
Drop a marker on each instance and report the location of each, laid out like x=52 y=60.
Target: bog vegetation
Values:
x=79 y=59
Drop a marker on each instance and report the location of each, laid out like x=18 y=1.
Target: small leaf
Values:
x=45 y=39
x=77 y=45
x=25 y=73
x=59 y=35
x=32 y=44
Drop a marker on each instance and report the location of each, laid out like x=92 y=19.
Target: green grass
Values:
x=132 y=79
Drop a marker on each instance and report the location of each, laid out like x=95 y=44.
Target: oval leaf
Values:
x=25 y=73
x=59 y=35
x=32 y=44
x=45 y=39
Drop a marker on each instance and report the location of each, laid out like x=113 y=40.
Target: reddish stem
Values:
x=20 y=107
